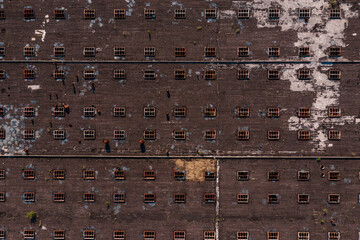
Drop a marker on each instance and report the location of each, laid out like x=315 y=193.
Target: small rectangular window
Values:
x=149 y=13
x=149 y=52
x=274 y=51
x=179 y=198
x=274 y=74
x=179 y=134
x=59 y=134
x=149 y=75
x=89 y=235
x=119 y=174
x=243 y=51
x=29 y=134
x=273 y=235
x=334 y=198
x=2 y=174
x=119 y=111
x=335 y=13
x=303 y=176
x=119 y=197
x=179 y=175
x=89 y=134
x=333 y=235
x=210 y=135
x=149 y=175
x=209 y=197
x=88 y=197
x=29 y=111
x=334 y=74
x=304 y=13
x=273 y=176
x=119 y=13
x=243 y=74
x=304 y=74
x=303 y=236
x=119 y=74
x=303 y=198
x=243 y=175
x=2 y=111
x=149 y=134
x=180 y=13
x=334 y=112
x=59 y=234
x=89 y=13
x=180 y=74
x=210 y=112
x=59 y=13
x=89 y=51
x=179 y=235
x=179 y=111
x=29 y=52
x=210 y=51
x=210 y=75
x=2 y=51
x=209 y=175
x=119 y=52
x=89 y=74
x=59 y=74
x=29 y=197
x=274 y=13
x=29 y=13
x=59 y=111
x=2 y=74
x=58 y=174
x=209 y=235
x=119 y=235
x=149 y=235
x=180 y=52
x=2 y=133
x=273 y=198
x=334 y=135
x=242 y=236
x=334 y=176
x=29 y=234
x=335 y=52
x=304 y=52
x=29 y=74
x=2 y=14
x=242 y=198
x=149 y=198
x=243 y=13
x=242 y=112
x=210 y=13
x=89 y=174
x=243 y=135
x=2 y=198
x=119 y=134
x=59 y=197
x=273 y=135
x=149 y=112
x=59 y=51
x=304 y=135
x=303 y=112
x=89 y=111
x=273 y=112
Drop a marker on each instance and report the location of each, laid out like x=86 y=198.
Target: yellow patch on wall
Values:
x=195 y=168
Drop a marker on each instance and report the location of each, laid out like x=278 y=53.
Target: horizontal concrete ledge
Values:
x=183 y=157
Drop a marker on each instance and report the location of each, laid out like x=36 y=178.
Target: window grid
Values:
x=59 y=134
x=119 y=235
x=304 y=135
x=273 y=74
x=303 y=175
x=119 y=134
x=29 y=196
x=243 y=51
x=274 y=13
x=179 y=175
x=243 y=135
x=273 y=112
x=273 y=176
x=2 y=51
x=119 y=74
x=149 y=112
x=180 y=74
x=274 y=51
x=149 y=175
x=2 y=74
x=179 y=134
x=2 y=111
x=210 y=135
x=59 y=74
x=2 y=133
x=59 y=234
x=304 y=52
x=149 y=13
x=119 y=197
x=209 y=197
x=179 y=111
x=180 y=13
x=29 y=134
x=334 y=74
x=179 y=235
x=149 y=75
x=59 y=13
x=334 y=112
x=243 y=175
x=89 y=174
x=59 y=174
x=2 y=14
x=89 y=13
x=303 y=198
x=180 y=52
x=2 y=197
x=304 y=13
x=89 y=234
x=334 y=176
x=2 y=174
x=29 y=13
x=242 y=236
x=209 y=235
x=334 y=198
x=89 y=134
x=210 y=112
x=304 y=74
x=29 y=111
x=210 y=51
x=88 y=197
x=334 y=135
x=303 y=236
x=149 y=52
x=89 y=74
x=179 y=198
x=334 y=235
x=273 y=235
x=119 y=174
x=59 y=111
x=89 y=111
x=273 y=135
x=303 y=112
x=243 y=74
x=242 y=198
x=335 y=13
x=243 y=13
x=149 y=134
x=59 y=51
x=29 y=234
x=119 y=111
x=209 y=175
x=149 y=197
x=210 y=75
x=59 y=197
x=243 y=112
x=119 y=13
x=89 y=51
x=335 y=52
x=210 y=13
x=119 y=52
x=29 y=74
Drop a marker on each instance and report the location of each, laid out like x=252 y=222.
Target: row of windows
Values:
x=333 y=51
x=179 y=74
x=30 y=234
x=242 y=13
x=89 y=197
x=118 y=174
x=240 y=112
x=151 y=134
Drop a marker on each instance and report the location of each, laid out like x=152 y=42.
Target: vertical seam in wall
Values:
x=217 y=208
